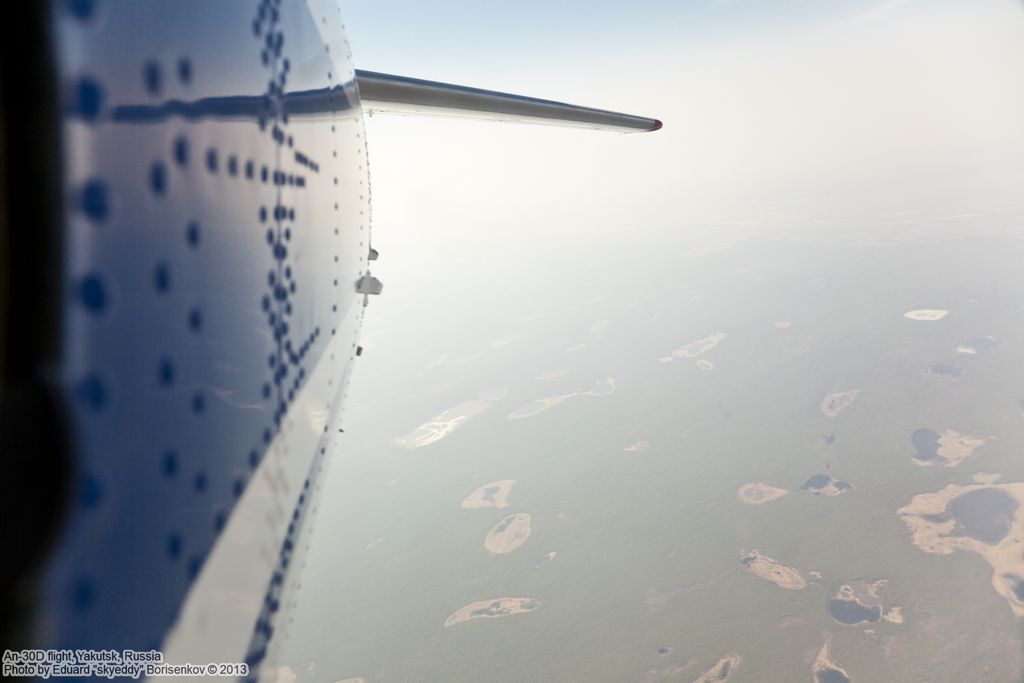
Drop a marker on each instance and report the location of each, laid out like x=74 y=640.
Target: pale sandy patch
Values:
x=602 y=387
x=493 y=494
x=956 y=447
x=638 y=447
x=508 y=534
x=539 y=406
x=926 y=314
x=450 y=420
x=782 y=325
x=771 y=570
x=694 y=349
x=757 y=493
x=492 y=609
x=934 y=531
x=442 y=425
x=894 y=615
x=832 y=404
x=722 y=670
x=824 y=663
x=953 y=449
x=986 y=477
x=704 y=364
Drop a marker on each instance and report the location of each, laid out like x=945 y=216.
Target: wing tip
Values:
x=655 y=126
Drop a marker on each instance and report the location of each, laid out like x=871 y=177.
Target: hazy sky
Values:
x=487 y=38
x=835 y=106
x=858 y=119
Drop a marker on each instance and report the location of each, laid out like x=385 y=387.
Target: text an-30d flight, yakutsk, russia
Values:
x=187 y=255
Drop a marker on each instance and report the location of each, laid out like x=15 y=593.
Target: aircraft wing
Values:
x=388 y=93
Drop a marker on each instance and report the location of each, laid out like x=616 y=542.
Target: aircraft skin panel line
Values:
x=209 y=317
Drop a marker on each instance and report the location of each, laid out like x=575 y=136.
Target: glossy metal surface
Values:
x=210 y=313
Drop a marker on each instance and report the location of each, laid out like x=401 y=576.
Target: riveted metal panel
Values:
x=216 y=219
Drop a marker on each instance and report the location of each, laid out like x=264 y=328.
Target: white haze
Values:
x=899 y=108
